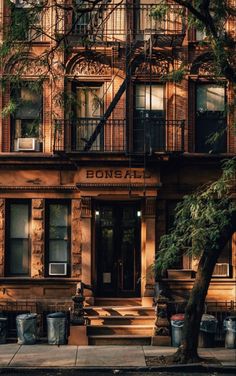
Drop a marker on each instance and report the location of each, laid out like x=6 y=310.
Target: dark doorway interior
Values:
x=118 y=234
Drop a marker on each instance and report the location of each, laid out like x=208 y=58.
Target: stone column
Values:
x=76 y=238
x=2 y=236
x=37 y=254
x=86 y=239
x=148 y=250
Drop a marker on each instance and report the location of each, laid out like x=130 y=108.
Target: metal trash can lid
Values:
x=26 y=316
x=178 y=317
x=230 y=318
x=206 y=317
x=56 y=315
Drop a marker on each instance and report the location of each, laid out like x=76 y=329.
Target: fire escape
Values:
x=103 y=28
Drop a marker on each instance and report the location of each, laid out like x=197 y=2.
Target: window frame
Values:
x=197 y=146
x=47 y=237
x=8 y=238
x=31 y=34
x=15 y=120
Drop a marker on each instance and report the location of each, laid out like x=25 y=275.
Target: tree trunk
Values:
x=187 y=352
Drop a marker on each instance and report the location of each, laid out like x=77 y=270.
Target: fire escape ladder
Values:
x=108 y=112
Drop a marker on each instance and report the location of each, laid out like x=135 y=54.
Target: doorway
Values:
x=117 y=243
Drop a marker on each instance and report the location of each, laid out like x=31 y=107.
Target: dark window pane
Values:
x=58 y=215
x=18 y=252
x=19 y=256
x=19 y=214
x=211 y=121
x=58 y=250
x=58 y=233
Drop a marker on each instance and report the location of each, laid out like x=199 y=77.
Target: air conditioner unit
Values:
x=58 y=268
x=26 y=144
x=221 y=270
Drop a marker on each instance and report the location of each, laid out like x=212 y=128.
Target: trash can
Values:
x=230 y=332
x=3 y=330
x=57 y=328
x=208 y=326
x=177 y=323
x=26 y=325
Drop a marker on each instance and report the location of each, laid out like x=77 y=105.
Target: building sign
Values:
x=117 y=176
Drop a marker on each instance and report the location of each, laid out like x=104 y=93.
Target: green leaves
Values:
x=9 y=109
x=199 y=219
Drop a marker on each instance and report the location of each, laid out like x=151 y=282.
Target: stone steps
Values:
x=120 y=330
x=131 y=340
x=121 y=320
x=115 y=321
x=119 y=311
x=127 y=302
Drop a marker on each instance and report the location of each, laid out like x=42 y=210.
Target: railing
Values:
x=149 y=135
x=111 y=138
x=158 y=135
x=172 y=21
x=110 y=24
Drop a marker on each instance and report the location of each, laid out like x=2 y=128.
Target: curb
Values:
x=119 y=369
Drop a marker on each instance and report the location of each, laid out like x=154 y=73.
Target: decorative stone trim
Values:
x=38 y=188
x=150 y=207
x=2 y=236
x=37 y=254
x=86 y=207
x=76 y=208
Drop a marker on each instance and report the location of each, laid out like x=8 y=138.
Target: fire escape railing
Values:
x=109 y=24
x=148 y=136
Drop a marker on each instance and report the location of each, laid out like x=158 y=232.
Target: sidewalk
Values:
x=14 y=356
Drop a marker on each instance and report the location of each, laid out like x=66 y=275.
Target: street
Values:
x=99 y=372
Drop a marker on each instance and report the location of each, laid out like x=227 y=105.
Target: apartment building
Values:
x=100 y=147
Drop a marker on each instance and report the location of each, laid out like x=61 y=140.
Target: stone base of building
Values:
x=78 y=336
x=161 y=341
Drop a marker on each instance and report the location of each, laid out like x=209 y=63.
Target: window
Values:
x=89 y=109
x=58 y=238
x=200 y=35
x=147 y=22
x=26 y=22
x=223 y=266
x=211 y=120
x=149 y=123
x=27 y=118
x=18 y=239
x=89 y=101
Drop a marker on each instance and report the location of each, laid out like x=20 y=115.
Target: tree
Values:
x=204 y=221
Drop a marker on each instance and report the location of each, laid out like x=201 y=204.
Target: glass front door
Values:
x=118 y=250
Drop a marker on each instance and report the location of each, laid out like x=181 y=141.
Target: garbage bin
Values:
x=3 y=330
x=207 y=332
x=26 y=325
x=230 y=329
x=177 y=323
x=57 y=328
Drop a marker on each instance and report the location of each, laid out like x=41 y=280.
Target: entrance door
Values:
x=118 y=249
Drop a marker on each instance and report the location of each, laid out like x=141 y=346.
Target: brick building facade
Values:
x=93 y=164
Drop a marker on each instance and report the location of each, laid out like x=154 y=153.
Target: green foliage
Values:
x=159 y=11
x=199 y=220
x=9 y=109
x=174 y=76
